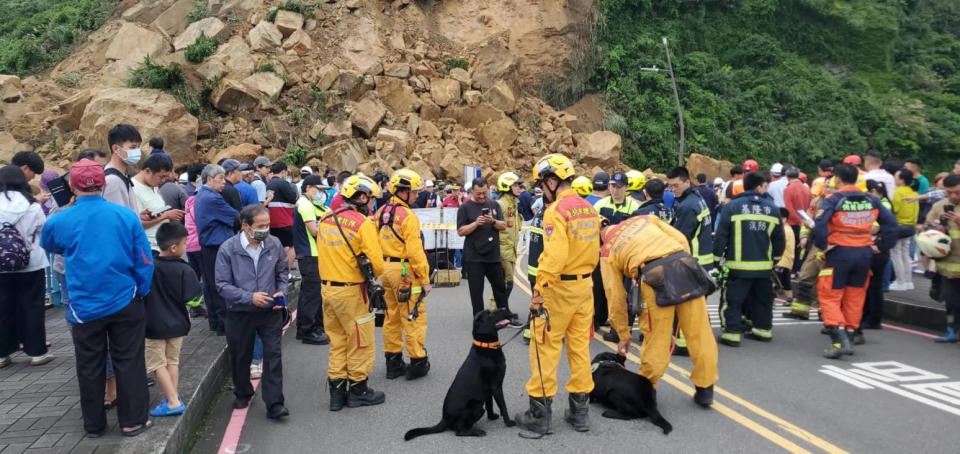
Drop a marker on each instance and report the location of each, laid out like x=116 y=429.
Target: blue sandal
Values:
x=164 y=409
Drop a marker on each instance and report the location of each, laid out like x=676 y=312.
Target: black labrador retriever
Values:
x=479 y=381
x=626 y=395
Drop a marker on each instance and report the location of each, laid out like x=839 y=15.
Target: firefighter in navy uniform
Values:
x=653 y=190
x=533 y=259
x=749 y=240
x=406 y=276
x=691 y=216
x=347 y=318
x=845 y=233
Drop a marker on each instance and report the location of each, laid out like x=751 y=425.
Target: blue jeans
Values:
x=257 y=351
x=458 y=258
x=887 y=275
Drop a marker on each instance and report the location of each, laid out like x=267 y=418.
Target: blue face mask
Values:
x=133 y=156
x=320 y=198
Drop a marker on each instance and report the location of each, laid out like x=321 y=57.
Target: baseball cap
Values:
x=230 y=165
x=246 y=167
x=619 y=179
x=87 y=176
x=315 y=180
x=304 y=171
x=261 y=161
x=718 y=181
x=428 y=183
x=852 y=160
x=776 y=169
x=825 y=164
x=601 y=180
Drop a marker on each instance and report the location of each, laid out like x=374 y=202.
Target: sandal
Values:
x=139 y=429
x=109 y=404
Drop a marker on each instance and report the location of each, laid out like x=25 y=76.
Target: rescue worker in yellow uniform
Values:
x=571 y=249
x=627 y=248
x=345 y=234
x=406 y=277
x=509 y=187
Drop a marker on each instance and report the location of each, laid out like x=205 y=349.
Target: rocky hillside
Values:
x=350 y=84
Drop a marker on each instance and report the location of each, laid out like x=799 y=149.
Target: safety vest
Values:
x=617 y=213
x=536 y=245
x=853 y=216
x=749 y=235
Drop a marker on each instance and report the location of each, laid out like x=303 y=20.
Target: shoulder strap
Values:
x=336 y=220
x=392 y=207
x=126 y=179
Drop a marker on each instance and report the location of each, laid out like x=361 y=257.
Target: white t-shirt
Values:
x=882 y=176
x=776 y=191
x=147 y=197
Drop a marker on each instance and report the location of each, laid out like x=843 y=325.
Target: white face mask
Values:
x=133 y=156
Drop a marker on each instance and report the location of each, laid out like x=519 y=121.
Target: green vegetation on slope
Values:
x=36 y=34
x=784 y=80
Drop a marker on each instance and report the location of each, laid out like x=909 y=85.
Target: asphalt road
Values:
x=899 y=393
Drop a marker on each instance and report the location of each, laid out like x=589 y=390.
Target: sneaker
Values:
x=5 y=361
x=256 y=371
x=907 y=286
x=41 y=360
x=895 y=287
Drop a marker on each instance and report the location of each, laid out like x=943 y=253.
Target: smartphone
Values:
x=162 y=210
x=484 y=212
x=947 y=208
x=280 y=301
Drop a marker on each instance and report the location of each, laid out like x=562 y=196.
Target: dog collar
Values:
x=486 y=344
x=605 y=363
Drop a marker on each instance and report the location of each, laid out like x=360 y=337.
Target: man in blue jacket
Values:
x=109 y=268
x=215 y=219
x=251 y=276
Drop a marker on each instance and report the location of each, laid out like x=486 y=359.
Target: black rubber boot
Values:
x=314 y=338
x=338 y=393
x=395 y=365
x=704 y=396
x=418 y=368
x=846 y=346
x=578 y=413
x=537 y=418
x=611 y=336
x=835 y=350
x=856 y=337
x=361 y=395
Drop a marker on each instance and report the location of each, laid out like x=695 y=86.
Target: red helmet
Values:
x=852 y=160
x=803 y=177
x=750 y=165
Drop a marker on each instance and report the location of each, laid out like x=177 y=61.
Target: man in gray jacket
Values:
x=251 y=275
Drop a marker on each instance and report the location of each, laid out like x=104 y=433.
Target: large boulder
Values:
x=299 y=42
x=288 y=22
x=698 y=163
x=337 y=130
x=422 y=168
x=493 y=63
x=232 y=60
x=265 y=36
x=401 y=70
x=69 y=112
x=243 y=152
x=500 y=95
x=445 y=92
x=325 y=76
x=499 y=135
x=267 y=83
x=132 y=43
x=398 y=137
x=9 y=146
x=210 y=27
x=397 y=95
x=233 y=97
x=474 y=117
x=155 y=113
x=453 y=163
x=367 y=116
x=174 y=19
x=344 y=154
x=10 y=88
x=601 y=149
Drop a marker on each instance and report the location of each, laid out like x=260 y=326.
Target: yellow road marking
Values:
x=729 y=412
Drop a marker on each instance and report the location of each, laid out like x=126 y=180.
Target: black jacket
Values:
x=691 y=216
x=761 y=240
x=174 y=285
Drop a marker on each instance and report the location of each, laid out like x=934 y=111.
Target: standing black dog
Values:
x=627 y=395
x=479 y=381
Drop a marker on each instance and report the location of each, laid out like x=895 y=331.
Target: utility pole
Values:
x=676 y=98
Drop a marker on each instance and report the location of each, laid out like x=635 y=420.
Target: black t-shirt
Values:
x=483 y=245
x=232 y=196
x=174 y=284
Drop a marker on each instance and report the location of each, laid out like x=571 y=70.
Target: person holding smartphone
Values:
x=251 y=276
x=480 y=221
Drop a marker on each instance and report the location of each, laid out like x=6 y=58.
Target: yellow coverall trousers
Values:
x=396 y=327
x=570 y=307
x=656 y=323
x=349 y=325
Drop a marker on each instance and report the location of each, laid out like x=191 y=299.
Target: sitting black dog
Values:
x=627 y=395
x=479 y=381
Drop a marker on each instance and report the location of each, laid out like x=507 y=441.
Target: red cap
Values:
x=87 y=176
x=750 y=165
x=852 y=160
x=803 y=177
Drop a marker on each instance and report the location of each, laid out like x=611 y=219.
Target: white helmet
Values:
x=933 y=243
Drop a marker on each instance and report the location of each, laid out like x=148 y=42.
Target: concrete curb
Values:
x=921 y=316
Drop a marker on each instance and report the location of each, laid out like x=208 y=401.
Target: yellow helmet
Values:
x=506 y=180
x=359 y=183
x=556 y=164
x=635 y=180
x=405 y=179
x=583 y=185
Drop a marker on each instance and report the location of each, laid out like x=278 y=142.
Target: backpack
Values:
x=14 y=250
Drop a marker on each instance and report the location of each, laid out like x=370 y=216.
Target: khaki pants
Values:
x=570 y=306
x=349 y=325
x=396 y=327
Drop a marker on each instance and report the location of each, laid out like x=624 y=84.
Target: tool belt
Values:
x=677 y=278
x=574 y=277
